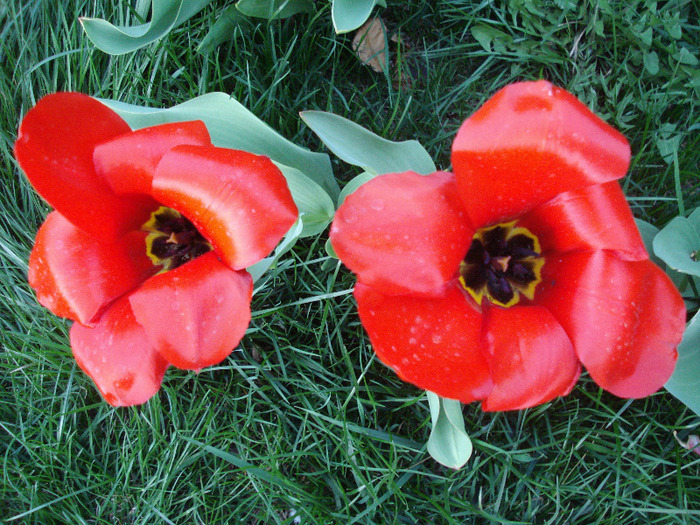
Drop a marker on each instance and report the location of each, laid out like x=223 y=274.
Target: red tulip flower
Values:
x=497 y=282
x=148 y=244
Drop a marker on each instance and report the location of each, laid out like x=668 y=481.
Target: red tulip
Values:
x=148 y=244
x=497 y=283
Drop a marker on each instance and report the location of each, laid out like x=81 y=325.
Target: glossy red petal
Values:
x=531 y=359
x=129 y=161
x=76 y=276
x=625 y=318
x=593 y=218
x=433 y=343
x=239 y=201
x=118 y=357
x=530 y=142
x=54 y=148
x=403 y=232
x=197 y=313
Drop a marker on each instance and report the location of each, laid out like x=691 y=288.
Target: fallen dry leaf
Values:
x=370 y=44
x=693 y=443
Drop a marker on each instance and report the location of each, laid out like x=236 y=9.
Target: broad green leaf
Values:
x=651 y=62
x=117 y=40
x=668 y=141
x=351 y=14
x=228 y=25
x=678 y=244
x=272 y=9
x=231 y=125
x=449 y=443
x=315 y=206
x=649 y=232
x=355 y=183
x=360 y=147
x=685 y=381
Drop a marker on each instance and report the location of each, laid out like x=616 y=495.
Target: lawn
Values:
x=302 y=423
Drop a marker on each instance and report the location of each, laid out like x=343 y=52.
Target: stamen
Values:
x=503 y=263
x=172 y=239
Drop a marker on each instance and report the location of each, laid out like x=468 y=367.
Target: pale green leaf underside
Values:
x=351 y=14
x=678 y=244
x=117 y=40
x=449 y=443
x=685 y=381
x=360 y=147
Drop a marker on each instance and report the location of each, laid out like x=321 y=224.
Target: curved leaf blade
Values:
x=348 y=15
x=360 y=147
x=118 y=40
x=678 y=244
x=274 y=9
x=449 y=443
x=685 y=381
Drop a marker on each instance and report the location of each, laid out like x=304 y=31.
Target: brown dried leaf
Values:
x=370 y=44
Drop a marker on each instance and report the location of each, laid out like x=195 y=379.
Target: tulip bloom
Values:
x=148 y=244
x=497 y=282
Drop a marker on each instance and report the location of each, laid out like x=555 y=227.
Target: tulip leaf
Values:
x=231 y=125
x=315 y=206
x=229 y=24
x=685 y=381
x=351 y=14
x=117 y=40
x=360 y=147
x=271 y=9
x=355 y=183
x=449 y=443
x=678 y=244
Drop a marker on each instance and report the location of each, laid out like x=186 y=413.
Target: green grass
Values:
x=302 y=421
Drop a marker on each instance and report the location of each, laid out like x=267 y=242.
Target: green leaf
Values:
x=231 y=125
x=117 y=40
x=315 y=206
x=355 y=183
x=678 y=244
x=651 y=62
x=667 y=141
x=360 y=147
x=685 y=381
x=228 y=25
x=649 y=232
x=271 y=9
x=351 y=14
x=449 y=443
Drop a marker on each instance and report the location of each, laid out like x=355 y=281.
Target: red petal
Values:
x=532 y=360
x=129 y=161
x=403 y=232
x=76 y=276
x=593 y=218
x=433 y=343
x=625 y=318
x=239 y=201
x=197 y=313
x=54 y=149
x=117 y=356
x=530 y=142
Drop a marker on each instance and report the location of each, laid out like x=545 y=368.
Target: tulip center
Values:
x=172 y=239
x=503 y=263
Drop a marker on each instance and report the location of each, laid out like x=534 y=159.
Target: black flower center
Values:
x=172 y=239
x=503 y=263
